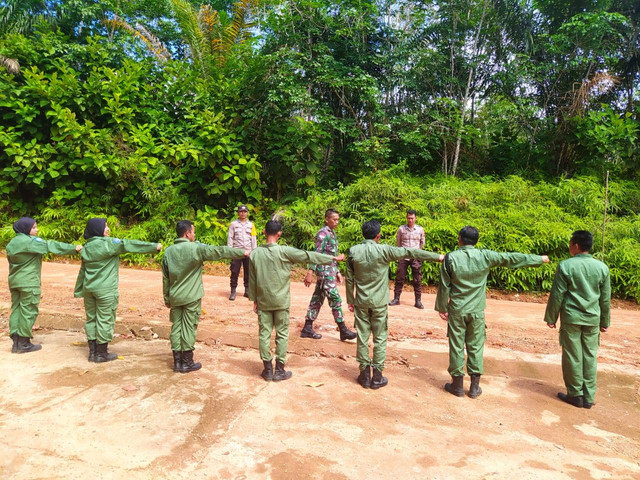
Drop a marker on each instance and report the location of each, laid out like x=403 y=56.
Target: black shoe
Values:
x=188 y=365
x=474 y=390
x=377 y=380
x=24 y=345
x=102 y=353
x=267 y=373
x=364 y=378
x=395 y=301
x=586 y=404
x=232 y=295
x=177 y=361
x=92 y=350
x=14 y=347
x=280 y=373
x=575 y=401
x=455 y=387
x=418 y=303
x=345 y=333
x=246 y=293
x=308 y=331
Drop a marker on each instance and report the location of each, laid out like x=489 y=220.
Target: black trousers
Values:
x=235 y=271
x=416 y=275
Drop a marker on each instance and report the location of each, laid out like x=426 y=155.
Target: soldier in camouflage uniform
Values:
x=328 y=279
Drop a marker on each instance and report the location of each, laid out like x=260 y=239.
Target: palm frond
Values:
x=194 y=36
x=153 y=44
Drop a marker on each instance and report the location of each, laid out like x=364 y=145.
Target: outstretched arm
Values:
x=61 y=248
x=515 y=260
x=295 y=255
x=392 y=254
x=134 y=246
x=210 y=252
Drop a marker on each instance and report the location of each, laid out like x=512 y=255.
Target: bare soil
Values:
x=62 y=417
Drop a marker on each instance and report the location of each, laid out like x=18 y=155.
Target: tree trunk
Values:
x=476 y=41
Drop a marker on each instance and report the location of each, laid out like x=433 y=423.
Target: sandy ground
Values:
x=62 y=417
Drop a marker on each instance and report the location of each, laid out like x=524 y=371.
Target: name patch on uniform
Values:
x=117 y=240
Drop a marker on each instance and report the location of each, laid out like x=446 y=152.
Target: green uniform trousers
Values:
x=24 y=310
x=468 y=329
x=184 y=324
x=101 y=315
x=371 y=321
x=267 y=320
x=579 y=359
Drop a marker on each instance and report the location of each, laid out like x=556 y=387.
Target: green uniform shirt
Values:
x=24 y=253
x=182 y=269
x=581 y=292
x=368 y=271
x=99 y=271
x=270 y=273
x=463 y=277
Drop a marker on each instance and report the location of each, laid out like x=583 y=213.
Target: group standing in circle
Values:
x=580 y=295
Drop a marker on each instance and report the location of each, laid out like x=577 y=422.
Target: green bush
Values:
x=512 y=215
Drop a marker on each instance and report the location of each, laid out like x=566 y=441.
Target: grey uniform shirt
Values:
x=242 y=235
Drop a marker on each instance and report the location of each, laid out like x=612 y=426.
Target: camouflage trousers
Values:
x=325 y=287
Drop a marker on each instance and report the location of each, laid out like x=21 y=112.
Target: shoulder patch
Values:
x=116 y=240
x=37 y=239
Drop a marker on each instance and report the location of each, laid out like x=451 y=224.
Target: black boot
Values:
x=575 y=401
x=345 y=333
x=232 y=295
x=92 y=350
x=246 y=291
x=177 y=361
x=586 y=404
x=474 y=390
x=308 y=331
x=267 y=373
x=377 y=381
x=102 y=353
x=396 y=299
x=364 y=378
x=24 y=345
x=280 y=373
x=188 y=365
x=14 y=347
x=455 y=387
x=419 y=301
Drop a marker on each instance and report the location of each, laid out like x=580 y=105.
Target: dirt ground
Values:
x=62 y=417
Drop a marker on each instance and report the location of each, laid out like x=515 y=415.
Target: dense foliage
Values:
x=150 y=111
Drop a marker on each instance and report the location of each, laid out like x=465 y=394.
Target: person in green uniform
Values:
x=183 y=290
x=98 y=283
x=269 y=277
x=461 y=302
x=581 y=295
x=24 y=253
x=368 y=297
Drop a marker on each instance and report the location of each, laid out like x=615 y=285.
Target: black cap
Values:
x=243 y=208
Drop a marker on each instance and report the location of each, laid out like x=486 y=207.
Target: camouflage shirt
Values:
x=327 y=243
